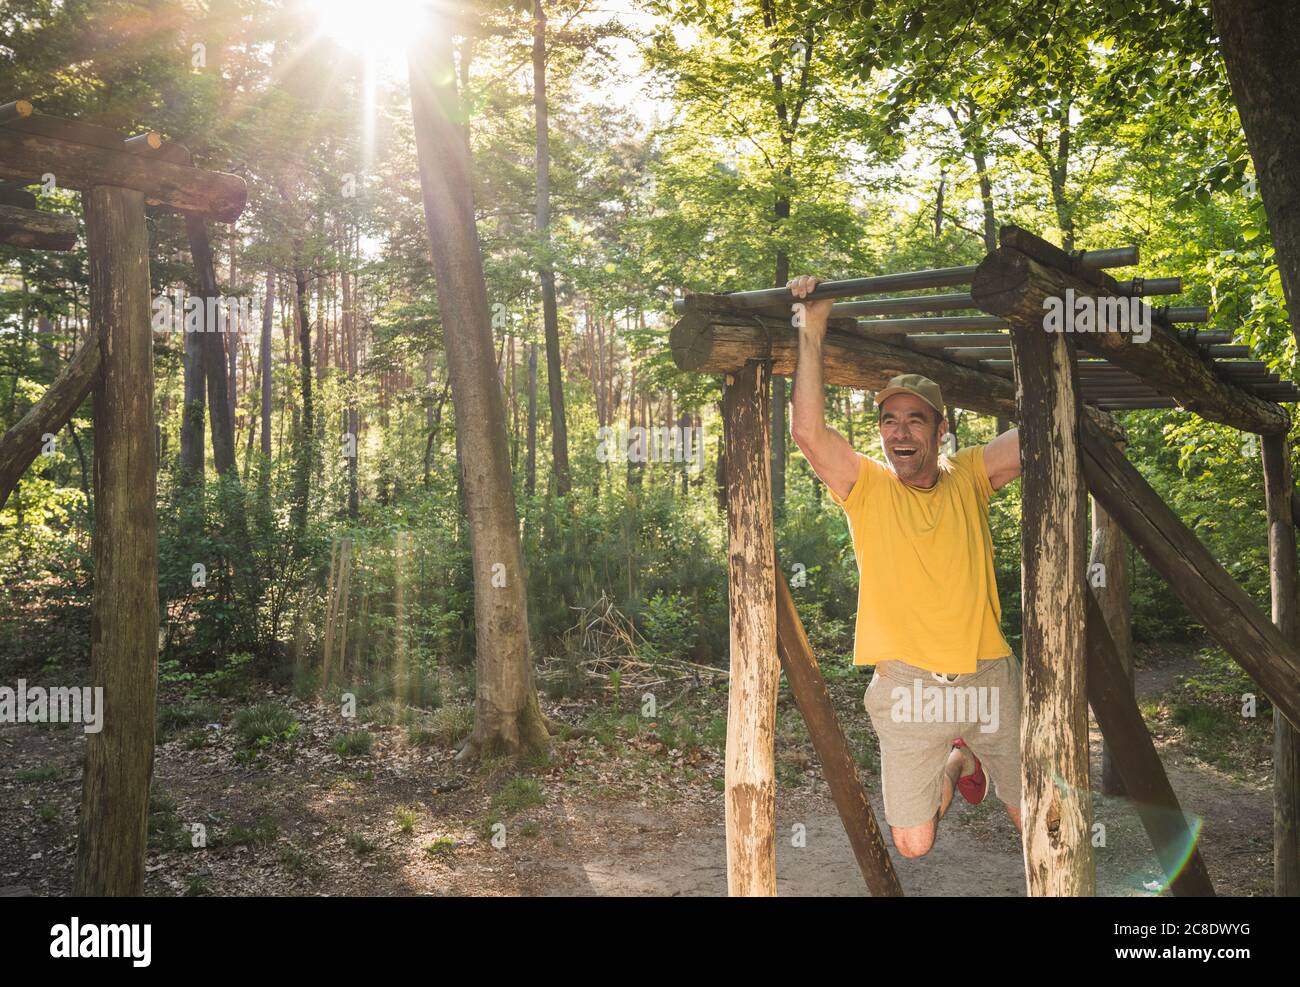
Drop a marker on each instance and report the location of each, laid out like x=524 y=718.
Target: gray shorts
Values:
x=917 y=716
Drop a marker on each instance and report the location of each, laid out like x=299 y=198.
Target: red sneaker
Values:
x=974 y=787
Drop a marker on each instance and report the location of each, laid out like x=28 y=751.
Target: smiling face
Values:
x=910 y=432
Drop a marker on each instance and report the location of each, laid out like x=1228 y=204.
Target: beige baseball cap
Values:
x=923 y=387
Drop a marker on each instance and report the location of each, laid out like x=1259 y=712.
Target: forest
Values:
x=438 y=526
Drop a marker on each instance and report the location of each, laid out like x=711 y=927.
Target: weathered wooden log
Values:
x=1013 y=285
x=1108 y=578
x=20 y=446
x=13 y=194
x=212 y=194
x=1278 y=490
x=15 y=110
x=1110 y=693
x=838 y=766
x=1192 y=573
x=1056 y=801
x=124 y=623
x=750 y=784
x=37 y=230
x=720 y=344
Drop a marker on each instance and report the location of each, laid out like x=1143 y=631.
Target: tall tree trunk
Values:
x=530 y=480
x=353 y=420
x=1259 y=40
x=214 y=351
x=550 y=317
x=507 y=716
x=268 y=313
x=303 y=466
x=192 y=414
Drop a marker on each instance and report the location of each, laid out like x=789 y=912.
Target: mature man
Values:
x=945 y=695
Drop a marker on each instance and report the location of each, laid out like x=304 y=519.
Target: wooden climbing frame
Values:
x=996 y=359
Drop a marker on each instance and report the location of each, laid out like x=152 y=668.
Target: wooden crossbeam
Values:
x=81 y=165
x=723 y=343
x=1014 y=281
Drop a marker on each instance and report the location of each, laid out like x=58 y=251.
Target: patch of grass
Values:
x=48 y=813
x=173 y=719
x=266 y=724
x=361 y=844
x=516 y=794
x=679 y=733
x=443 y=846
x=445 y=727
x=353 y=744
x=529 y=828
x=46 y=772
x=407 y=817
x=197 y=886
x=1202 y=722
x=165 y=829
x=261 y=832
x=299 y=862
x=195 y=740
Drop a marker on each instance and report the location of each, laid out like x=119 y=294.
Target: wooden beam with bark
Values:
x=1278 y=490
x=1108 y=577
x=34 y=229
x=1056 y=801
x=838 y=766
x=1210 y=594
x=1015 y=286
x=708 y=343
x=750 y=784
x=81 y=166
x=20 y=446
x=111 y=844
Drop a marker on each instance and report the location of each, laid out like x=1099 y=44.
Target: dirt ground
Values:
x=631 y=816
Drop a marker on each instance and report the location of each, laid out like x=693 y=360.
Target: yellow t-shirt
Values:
x=927 y=593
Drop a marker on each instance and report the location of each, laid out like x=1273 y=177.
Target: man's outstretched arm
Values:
x=828 y=452
x=1002 y=458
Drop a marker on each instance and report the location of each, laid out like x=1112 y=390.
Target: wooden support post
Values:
x=23 y=442
x=1278 y=488
x=755 y=671
x=838 y=766
x=124 y=625
x=1111 y=695
x=1193 y=574
x=1110 y=586
x=1057 y=806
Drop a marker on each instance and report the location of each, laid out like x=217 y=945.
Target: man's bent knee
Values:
x=913 y=841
